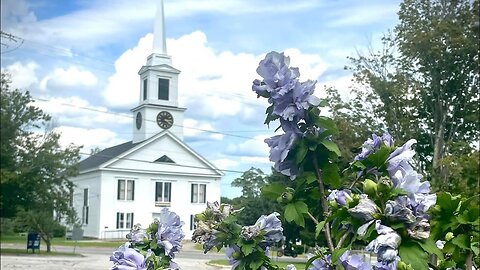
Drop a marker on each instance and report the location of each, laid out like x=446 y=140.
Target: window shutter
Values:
x=118 y=192
x=205 y=194
x=131 y=224
x=145 y=89
x=169 y=192
x=191 y=193
x=133 y=190
x=118 y=220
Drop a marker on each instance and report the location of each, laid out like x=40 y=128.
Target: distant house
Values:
x=130 y=183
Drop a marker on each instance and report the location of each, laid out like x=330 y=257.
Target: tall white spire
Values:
x=159 y=38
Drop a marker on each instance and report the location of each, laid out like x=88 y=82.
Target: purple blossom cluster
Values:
x=341 y=197
x=168 y=235
x=290 y=100
x=411 y=208
x=373 y=144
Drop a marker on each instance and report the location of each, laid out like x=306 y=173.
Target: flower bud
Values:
x=286 y=197
x=403 y=266
x=370 y=188
x=385 y=185
x=237 y=255
x=449 y=236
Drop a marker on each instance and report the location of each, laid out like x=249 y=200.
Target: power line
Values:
x=131 y=117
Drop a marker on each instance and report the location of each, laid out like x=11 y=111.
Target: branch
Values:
x=324 y=203
x=342 y=240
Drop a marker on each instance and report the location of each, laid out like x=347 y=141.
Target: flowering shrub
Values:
x=380 y=205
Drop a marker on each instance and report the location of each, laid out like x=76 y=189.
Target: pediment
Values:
x=161 y=68
x=164 y=153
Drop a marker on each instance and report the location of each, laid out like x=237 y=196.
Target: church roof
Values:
x=105 y=155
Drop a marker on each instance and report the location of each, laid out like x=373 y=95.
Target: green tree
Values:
x=34 y=168
x=251 y=182
x=423 y=82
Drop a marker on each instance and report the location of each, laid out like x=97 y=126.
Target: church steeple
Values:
x=158 y=103
x=159 y=38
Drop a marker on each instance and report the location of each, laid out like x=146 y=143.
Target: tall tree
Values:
x=423 y=82
x=251 y=182
x=34 y=168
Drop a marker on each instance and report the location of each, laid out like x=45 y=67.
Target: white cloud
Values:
x=123 y=87
x=225 y=163
x=65 y=78
x=255 y=147
x=23 y=75
x=194 y=128
x=212 y=84
x=89 y=138
x=71 y=111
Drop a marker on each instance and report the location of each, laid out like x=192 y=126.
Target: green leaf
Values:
x=331 y=146
x=326 y=123
x=462 y=241
x=273 y=191
x=301 y=207
x=247 y=248
x=310 y=261
x=331 y=175
x=256 y=264
x=378 y=158
x=411 y=253
x=319 y=228
x=430 y=247
x=294 y=212
x=337 y=254
x=300 y=152
x=448 y=202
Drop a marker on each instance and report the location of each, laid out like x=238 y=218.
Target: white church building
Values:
x=130 y=183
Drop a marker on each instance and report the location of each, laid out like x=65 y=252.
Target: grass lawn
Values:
x=19 y=239
x=298 y=265
x=16 y=251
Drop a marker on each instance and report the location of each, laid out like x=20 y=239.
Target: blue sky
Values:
x=80 y=54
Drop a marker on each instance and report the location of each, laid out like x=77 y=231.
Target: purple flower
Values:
x=291 y=267
x=293 y=104
x=276 y=73
x=401 y=158
x=422 y=202
x=342 y=197
x=233 y=253
x=399 y=210
x=410 y=181
x=126 y=258
x=386 y=244
x=280 y=146
x=137 y=235
x=369 y=146
x=354 y=262
x=321 y=264
x=392 y=265
x=170 y=234
x=373 y=144
x=270 y=225
x=364 y=210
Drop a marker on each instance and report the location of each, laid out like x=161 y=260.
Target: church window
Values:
x=163 y=192
x=85 y=207
x=198 y=193
x=163 y=87
x=193 y=226
x=126 y=190
x=124 y=220
x=145 y=89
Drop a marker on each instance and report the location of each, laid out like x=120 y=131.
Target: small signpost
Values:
x=33 y=241
x=77 y=234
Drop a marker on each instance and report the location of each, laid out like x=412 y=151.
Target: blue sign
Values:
x=33 y=241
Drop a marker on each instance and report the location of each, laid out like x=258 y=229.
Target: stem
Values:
x=469 y=261
x=313 y=218
x=324 y=204
x=342 y=240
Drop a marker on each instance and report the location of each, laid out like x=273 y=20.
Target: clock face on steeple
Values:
x=138 y=120
x=164 y=119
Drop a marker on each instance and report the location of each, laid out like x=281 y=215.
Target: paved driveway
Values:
x=98 y=258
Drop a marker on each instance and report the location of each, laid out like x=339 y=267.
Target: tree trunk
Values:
x=439 y=152
x=49 y=245
x=469 y=261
